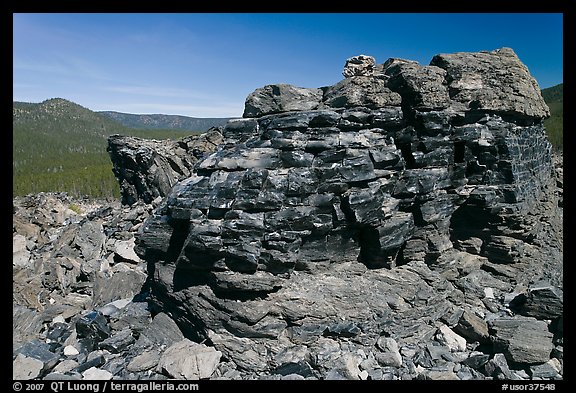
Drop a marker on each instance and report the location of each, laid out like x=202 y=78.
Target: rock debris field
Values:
x=404 y=223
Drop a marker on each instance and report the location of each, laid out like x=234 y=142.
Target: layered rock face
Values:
x=148 y=169
x=367 y=228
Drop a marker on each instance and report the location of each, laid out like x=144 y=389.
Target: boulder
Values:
x=522 y=339
x=549 y=370
x=542 y=301
x=124 y=251
x=188 y=360
x=20 y=255
x=421 y=87
x=498 y=368
x=117 y=342
x=25 y=368
x=162 y=332
x=361 y=91
x=472 y=327
x=93 y=325
x=144 y=361
x=450 y=339
x=96 y=374
x=390 y=355
x=281 y=98
x=492 y=81
x=121 y=285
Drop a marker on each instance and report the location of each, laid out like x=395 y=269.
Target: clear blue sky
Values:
x=204 y=65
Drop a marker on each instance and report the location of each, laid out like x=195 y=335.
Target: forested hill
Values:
x=56 y=118
x=61 y=146
x=554 y=93
x=554 y=97
x=175 y=122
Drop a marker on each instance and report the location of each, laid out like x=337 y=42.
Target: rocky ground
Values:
x=80 y=311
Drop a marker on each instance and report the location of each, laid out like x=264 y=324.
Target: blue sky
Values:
x=204 y=65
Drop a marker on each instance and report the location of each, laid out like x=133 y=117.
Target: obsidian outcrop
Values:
x=148 y=169
x=384 y=167
x=403 y=201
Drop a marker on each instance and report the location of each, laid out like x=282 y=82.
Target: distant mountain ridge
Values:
x=160 y=121
x=58 y=145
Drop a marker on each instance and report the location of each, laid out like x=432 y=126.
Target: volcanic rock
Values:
x=391 y=226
